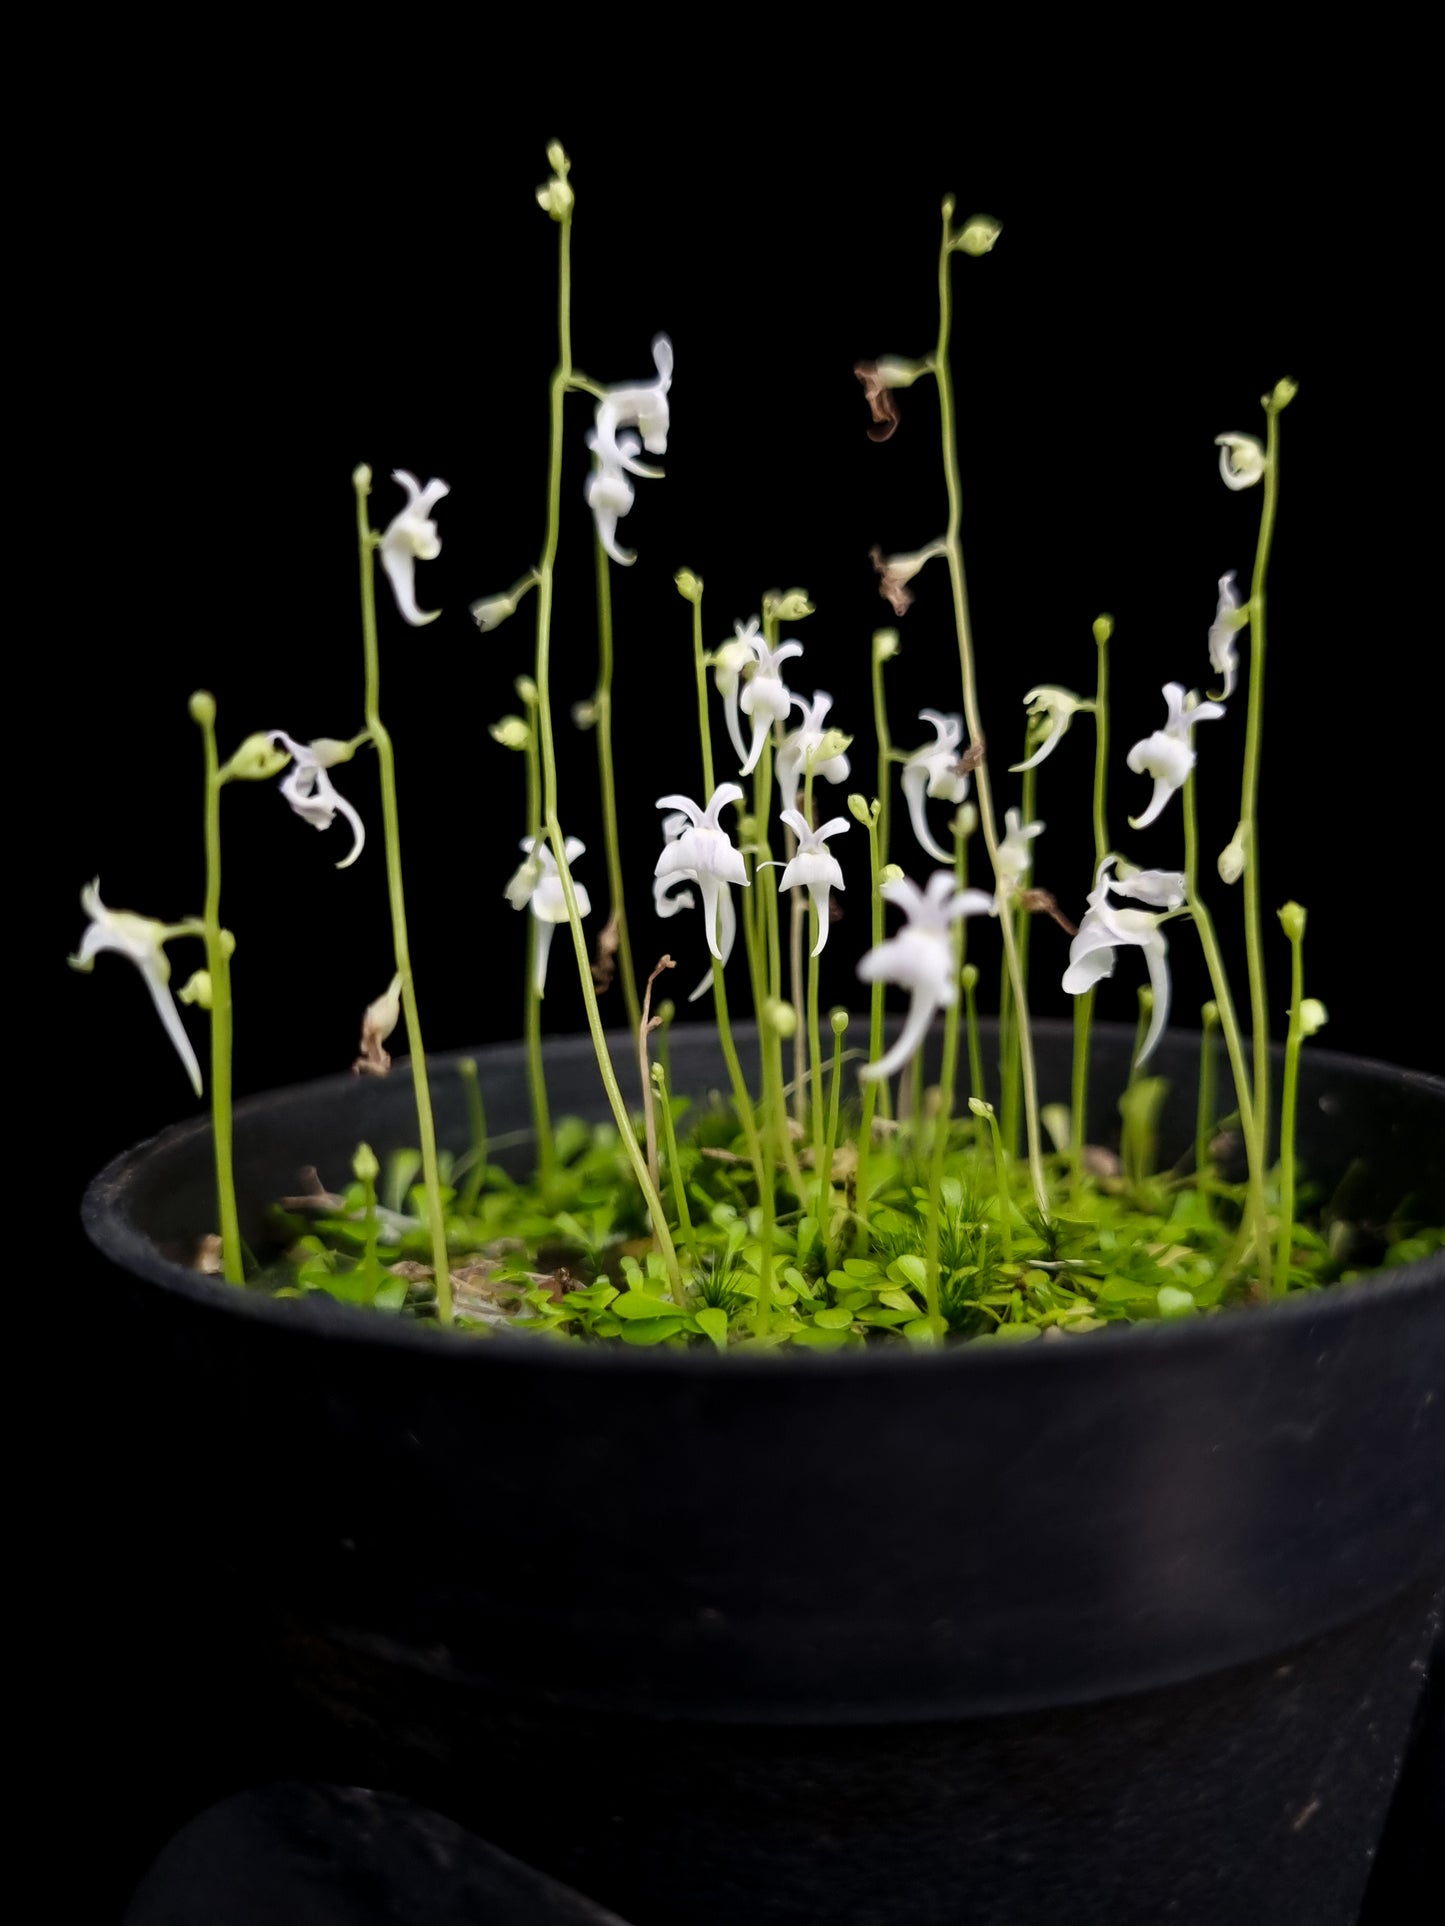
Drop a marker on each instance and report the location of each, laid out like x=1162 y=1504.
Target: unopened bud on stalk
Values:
x=557 y=158
x=1282 y=395
x=1312 y=1016
x=965 y=821
x=979 y=234
x=1103 y=628
x=1232 y=858
x=511 y=732
x=792 y=605
x=689 y=586
x=527 y=689
x=361 y=478
x=202 y=706
x=1292 y=921
x=197 y=990
x=1209 y=1015
x=838 y=1021
x=890 y=873
x=885 y=644
x=665 y=1012
x=584 y=715
x=492 y=611
x=257 y=760
x=862 y=811
x=364 y=1166
x=968 y=977
x=979 y=1107
x=780 y=1017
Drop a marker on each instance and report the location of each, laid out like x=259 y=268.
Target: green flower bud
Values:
x=1232 y=857
x=885 y=644
x=1173 y=1302
x=1312 y=1016
x=1283 y=394
x=555 y=198
x=361 y=478
x=202 y=706
x=890 y=873
x=364 y=1165
x=511 y=732
x=557 y=158
x=689 y=586
x=780 y=1017
x=1209 y=1015
x=197 y=990
x=1103 y=628
x=965 y=820
x=492 y=611
x=255 y=761
x=1292 y=921
x=747 y=829
x=838 y=1021
x=979 y=1107
x=665 y=1011
x=831 y=743
x=968 y=976
x=527 y=689
x=792 y=605
x=228 y=944
x=979 y=234
x=862 y=811
x=584 y=715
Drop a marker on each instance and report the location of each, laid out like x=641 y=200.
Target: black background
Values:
x=250 y=291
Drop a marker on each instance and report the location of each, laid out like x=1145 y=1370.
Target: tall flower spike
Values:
x=311 y=792
x=1224 y=634
x=142 y=940
x=703 y=854
x=1106 y=929
x=933 y=771
x=920 y=958
x=609 y=493
x=1015 y=858
x=763 y=696
x=1168 y=754
x=1060 y=706
x=1242 y=459
x=814 y=868
x=805 y=741
x=411 y=538
x=545 y=898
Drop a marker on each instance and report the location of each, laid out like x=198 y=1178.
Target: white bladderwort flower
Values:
x=311 y=792
x=1015 y=858
x=642 y=405
x=1060 y=706
x=1168 y=754
x=143 y=940
x=933 y=771
x=670 y=895
x=802 y=742
x=411 y=538
x=1106 y=928
x=1242 y=460
x=1224 y=636
x=545 y=898
x=703 y=854
x=763 y=696
x=728 y=663
x=814 y=868
x=920 y=957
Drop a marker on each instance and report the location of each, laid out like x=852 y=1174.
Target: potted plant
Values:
x=823 y=1475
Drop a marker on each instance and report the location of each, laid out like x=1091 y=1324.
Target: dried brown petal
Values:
x=892 y=584
x=880 y=400
x=604 y=956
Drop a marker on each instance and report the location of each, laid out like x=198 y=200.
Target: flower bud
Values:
x=831 y=743
x=689 y=586
x=862 y=811
x=792 y=605
x=780 y=1017
x=555 y=198
x=492 y=611
x=202 y=706
x=965 y=821
x=1312 y=1016
x=890 y=873
x=256 y=760
x=557 y=158
x=584 y=715
x=1283 y=394
x=511 y=732
x=885 y=644
x=228 y=945
x=1232 y=859
x=838 y=1021
x=968 y=977
x=896 y=372
x=361 y=478
x=747 y=829
x=1209 y=1015
x=979 y=234
x=364 y=1166
x=1292 y=921
x=527 y=689
x=197 y=990
x=665 y=1012
x=1103 y=628
x=979 y=1107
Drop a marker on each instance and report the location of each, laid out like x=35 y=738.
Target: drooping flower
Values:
x=763 y=696
x=1015 y=858
x=1168 y=754
x=143 y=941
x=728 y=662
x=1224 y=635
x=814 y=868
x=378 y=1020
x=920 y=957
x=670 y=895
x=411 y=538
x=1106 y=928
x=702 y=853
x=933 y=771
x=544 y=896
x=609 y=493
x=641 y=405
x=1060 y=706
x=1242 y=460
x=311 y=792
x=804 y=741
x=895 y=572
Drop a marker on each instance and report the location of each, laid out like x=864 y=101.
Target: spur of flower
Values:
x=814 y=867
x=1107 y=928
x=1168 y=754
x=143 y=941
x=920 y=957
x=411 y=537
x=310 y=790
x=933 y=771
x=804 y=741
x=704 y=854
x=1229 y=619
x=537 y=885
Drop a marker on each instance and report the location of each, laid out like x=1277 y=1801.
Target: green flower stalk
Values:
x=1204 y=1116
x=885 y=647
x=219 y=945
x=1306 y=1016
x=1084 y=1004
x=602 y=707
x=476 y=1134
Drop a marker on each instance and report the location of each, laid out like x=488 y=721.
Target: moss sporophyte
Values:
x=838 y=1199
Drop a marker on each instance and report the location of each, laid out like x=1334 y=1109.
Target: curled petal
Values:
x=915 y=790
x=819 y=893
x=400 y=566
x=921 y=1010
x=1156 y=955
x=664 y=901
x=541 y=950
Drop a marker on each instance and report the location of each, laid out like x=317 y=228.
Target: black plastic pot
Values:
x=1129 y=1626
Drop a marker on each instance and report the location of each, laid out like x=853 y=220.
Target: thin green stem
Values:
x=1289 y=1102
x=1011 y=1062
x=1249 y=793
x=885 y=743
x=686 y=1233
x=704 y=727
x=1204 y=1117
x=743 y=1104
x=815 y=1035
x=969 y=978
x=218 y=967
x=875 y=1031
x=603 y=700
x=476 y=1134
x=531 y=995
x=1084 y=1005
x=825 y=1176
x=942 y=1122
x=954 y=548
x=386 y=759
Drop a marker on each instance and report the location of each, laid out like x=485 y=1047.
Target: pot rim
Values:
x=110 y=1230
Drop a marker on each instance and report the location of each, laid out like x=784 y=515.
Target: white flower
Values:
x=543 y=883
x=763 y=696
x=1168 y=754
x=728 y=663
x=1241 y=459
x=642 y=406
x=142 y=940
x=703 y=854
x=920 y=957
x=609 y=493
x=1105 y=929
x=813 y=868
x=933 y=771
x=412 y=538
x=1223 y=634
x=311 y=792
x=1015 y=858
x=805 y=741
x=669 y=897
x=1060 y=706
x=1162 y=888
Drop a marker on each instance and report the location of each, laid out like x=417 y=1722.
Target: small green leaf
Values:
x=909 y=1270
x=642 y=1304
x=714 y=1324
x=1174 y=1302
x=836 y=1318
x=898 y=1301
x=652 y=1330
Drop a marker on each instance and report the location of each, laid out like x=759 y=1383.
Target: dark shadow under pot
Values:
x=1128 y=1627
